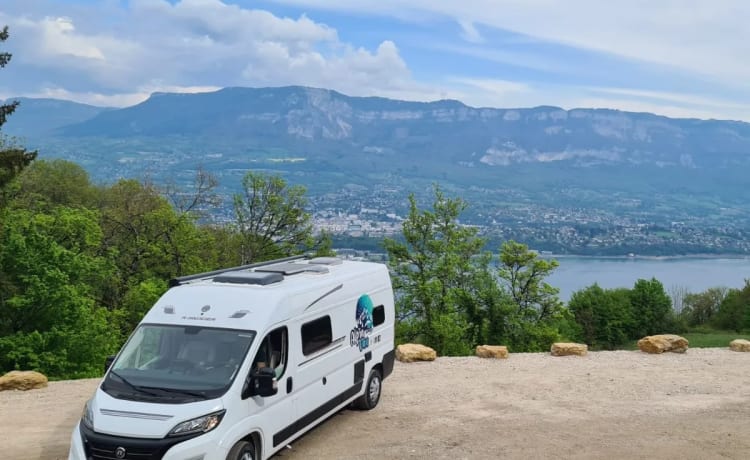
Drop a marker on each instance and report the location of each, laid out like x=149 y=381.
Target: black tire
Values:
x=243 y=450
x=373 y=389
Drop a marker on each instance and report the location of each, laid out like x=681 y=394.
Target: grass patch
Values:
x=714 y=339
x=703 y=339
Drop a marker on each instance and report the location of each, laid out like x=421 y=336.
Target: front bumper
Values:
x=100 y=446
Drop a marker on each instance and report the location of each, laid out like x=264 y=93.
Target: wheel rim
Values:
x=374 y=390
x=247 y=456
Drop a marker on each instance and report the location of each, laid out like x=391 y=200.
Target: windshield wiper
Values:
x=137 y=388
x=197 y=394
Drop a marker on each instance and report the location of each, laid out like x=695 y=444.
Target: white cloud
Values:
x=58 y=37
x=195 y=43
x=470 y=32
x=353 y=71
x=502 y=93
x=671 y=97
x=112 y=100
x=705 y=38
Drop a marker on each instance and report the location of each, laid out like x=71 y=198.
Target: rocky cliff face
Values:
x=448 y=132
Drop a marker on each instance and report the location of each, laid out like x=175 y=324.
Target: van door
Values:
x=277 y=411
x=325 y=375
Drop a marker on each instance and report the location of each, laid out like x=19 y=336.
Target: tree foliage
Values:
x=47 y=184
x=537 y=314
x=734 y=310
x=51 y=270
x=701 y=308
x=651 y=308
x=604 y=316
x=523 y=273
x=271 y=218
x=449 y=297
x=13 y=158
x=433 y=270
x=9 y=108
x=147 y=240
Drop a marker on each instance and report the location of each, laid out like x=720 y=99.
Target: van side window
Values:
x=316 y=335
x=273 y=352
x=378 y=315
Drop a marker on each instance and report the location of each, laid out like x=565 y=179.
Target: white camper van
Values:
x=237 y=363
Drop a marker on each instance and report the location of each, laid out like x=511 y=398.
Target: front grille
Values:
x=96 y=451
x=99 y=446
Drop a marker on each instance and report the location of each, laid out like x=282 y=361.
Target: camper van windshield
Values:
x=177 y=364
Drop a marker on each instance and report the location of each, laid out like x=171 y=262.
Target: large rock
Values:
x=410 y=352
x=492 y=351
x=739 y=345
x=569 y=349
x=22 y=380
x=664 y=342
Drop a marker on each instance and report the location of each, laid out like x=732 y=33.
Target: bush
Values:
x=604 y=316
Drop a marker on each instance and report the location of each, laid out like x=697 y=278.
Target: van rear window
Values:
x=378 y=315
x=316 y=335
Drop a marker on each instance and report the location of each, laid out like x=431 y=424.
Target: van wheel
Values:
x=370 y=399
x=243 y=450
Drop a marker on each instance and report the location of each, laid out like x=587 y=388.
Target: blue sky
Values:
x=684 y=58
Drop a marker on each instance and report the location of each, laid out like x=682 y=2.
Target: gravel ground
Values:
x=616 y=405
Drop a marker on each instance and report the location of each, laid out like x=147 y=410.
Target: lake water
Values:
x=695 y=274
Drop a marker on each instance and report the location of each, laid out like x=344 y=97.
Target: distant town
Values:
x=359 y=215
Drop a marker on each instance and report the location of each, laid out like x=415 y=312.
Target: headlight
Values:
x=87 y=417
x=202 y=424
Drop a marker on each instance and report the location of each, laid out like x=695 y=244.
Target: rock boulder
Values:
x=22 y=380
x=739 y=345
x=665 y=342
x=569 y=349
x=492 y=351
x=410 y=352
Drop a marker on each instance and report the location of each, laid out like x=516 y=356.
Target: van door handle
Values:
x=288 y=384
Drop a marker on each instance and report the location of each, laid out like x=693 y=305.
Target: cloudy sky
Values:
x=686 y=58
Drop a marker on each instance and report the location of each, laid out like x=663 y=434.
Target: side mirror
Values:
x=108 y=362
x=260 y=383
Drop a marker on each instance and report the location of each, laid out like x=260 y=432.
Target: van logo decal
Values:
x=360 y=335
x=205 y=308
x=120 y=452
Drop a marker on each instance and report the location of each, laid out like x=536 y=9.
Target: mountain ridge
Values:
x=340 y=131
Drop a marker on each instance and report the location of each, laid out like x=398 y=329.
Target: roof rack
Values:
x=207 y=275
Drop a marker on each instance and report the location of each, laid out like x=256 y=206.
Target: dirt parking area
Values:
x=614 y=405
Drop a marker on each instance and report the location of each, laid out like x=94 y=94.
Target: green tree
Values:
x=651 y=308
x=271 y=218
x=734 y=310
x=699 y=309
x=13 y=159
x=523 y=272
x=199 y=199
x=324 y=245
x=6 y=109
x=222 y=246
x=604 y=316
x=433 y=274
x=489 y=308
x=136 y=302
x=148 y=240
x=534 y=325
x=49 y=317
x=46 y=184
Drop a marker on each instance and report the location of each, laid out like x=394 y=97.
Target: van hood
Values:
x=137 y=419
